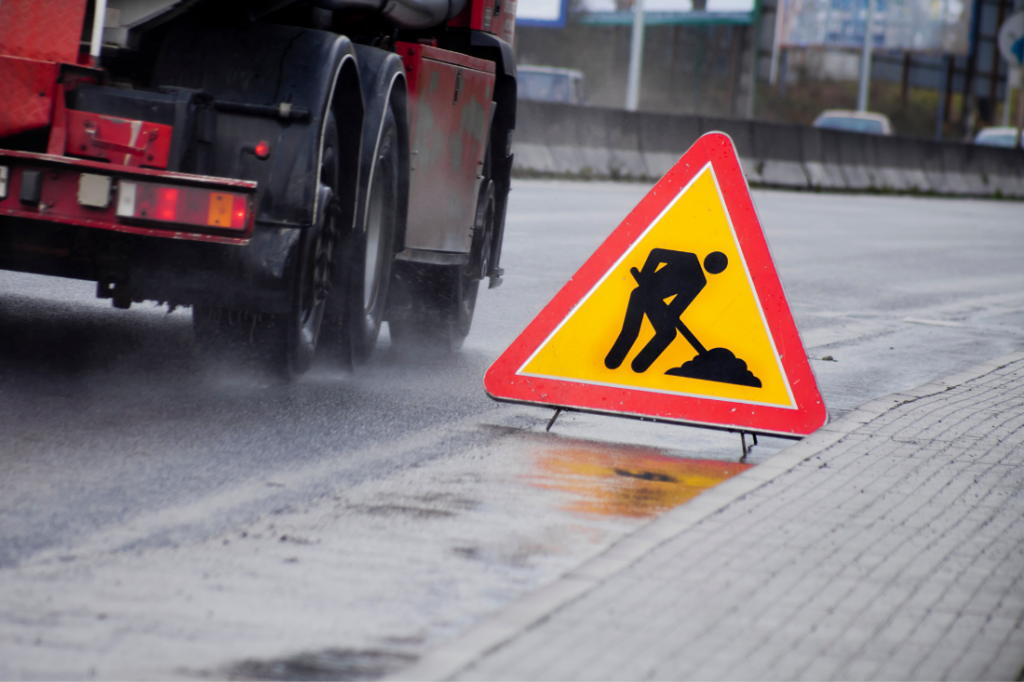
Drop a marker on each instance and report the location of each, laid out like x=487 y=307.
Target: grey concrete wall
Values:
x=611 y=143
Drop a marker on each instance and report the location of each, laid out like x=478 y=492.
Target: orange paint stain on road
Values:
x=622 y=481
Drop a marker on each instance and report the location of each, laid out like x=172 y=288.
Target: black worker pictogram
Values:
x=665 y=287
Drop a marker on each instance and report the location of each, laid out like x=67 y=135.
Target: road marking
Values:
x=932 y=323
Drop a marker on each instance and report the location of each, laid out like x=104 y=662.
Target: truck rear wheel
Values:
x=313 y=278
x=368 y=253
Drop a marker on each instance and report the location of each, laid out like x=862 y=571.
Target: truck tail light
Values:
x=238 y=217
x=184 y=205
x=227 y=210
x=167 y=204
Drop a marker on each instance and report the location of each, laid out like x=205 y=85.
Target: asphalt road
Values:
x=162 y=517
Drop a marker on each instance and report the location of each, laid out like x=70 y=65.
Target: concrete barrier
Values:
x=664 y=138
x=1003 y=173
x=591 y=142
x=890 y=173
x=896 y=157
x=854 y=159
x=928 y=157
x=954 y=162
x=779 y=153
x=821 y=160
x=625 y=159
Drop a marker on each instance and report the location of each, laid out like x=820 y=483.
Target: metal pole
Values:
x=969 y=98
x=755 y=28
x=1011 y=78
x=865 y=59
x=784 y=69
x=1020 y=111
x=993 y=78
x=98 y=19
x=773 y=71
x=636 y=57
x=1014 y=77
x=905 y=82
x=940 y=116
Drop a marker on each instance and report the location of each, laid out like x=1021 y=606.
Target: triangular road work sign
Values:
x=679 y=316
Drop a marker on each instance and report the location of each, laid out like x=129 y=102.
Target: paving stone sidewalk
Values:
x=889 y=545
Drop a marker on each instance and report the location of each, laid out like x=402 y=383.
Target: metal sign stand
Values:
x=743 y=443
x=743 y=435
x=558 y=411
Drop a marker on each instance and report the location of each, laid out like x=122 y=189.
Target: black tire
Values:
x=434 y=305
x=313 y=276
x=483 y=230
x=367 y=253
x=285 y=343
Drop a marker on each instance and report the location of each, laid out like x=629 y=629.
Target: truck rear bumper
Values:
x=59 y=189
x=47 y=200
x=253 y=276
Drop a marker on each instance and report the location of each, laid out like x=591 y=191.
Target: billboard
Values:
x=905 y=25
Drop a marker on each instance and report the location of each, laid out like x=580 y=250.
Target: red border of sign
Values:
x=503 y=383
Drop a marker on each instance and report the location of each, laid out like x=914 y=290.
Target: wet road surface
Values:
x=160 y=517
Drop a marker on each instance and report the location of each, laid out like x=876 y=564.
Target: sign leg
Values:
x=551 y=423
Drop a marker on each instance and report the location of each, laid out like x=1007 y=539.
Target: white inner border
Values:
x=757 y=299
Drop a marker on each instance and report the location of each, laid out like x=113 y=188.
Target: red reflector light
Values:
x=262 y=150
x=167 y=204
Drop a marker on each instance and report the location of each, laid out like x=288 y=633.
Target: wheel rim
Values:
x=371 y=265
x=314 y=296
x=316 y=288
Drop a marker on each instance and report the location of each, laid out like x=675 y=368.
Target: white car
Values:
x=550 y=84
x=997 y=136
x=854 y=121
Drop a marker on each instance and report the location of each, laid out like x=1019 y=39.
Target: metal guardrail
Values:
x=591 y=142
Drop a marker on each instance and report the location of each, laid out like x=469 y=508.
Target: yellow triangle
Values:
x=724 y=313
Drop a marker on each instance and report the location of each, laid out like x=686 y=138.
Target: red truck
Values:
x=295 y=171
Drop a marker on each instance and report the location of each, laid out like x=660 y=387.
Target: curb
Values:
x=451 y=658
